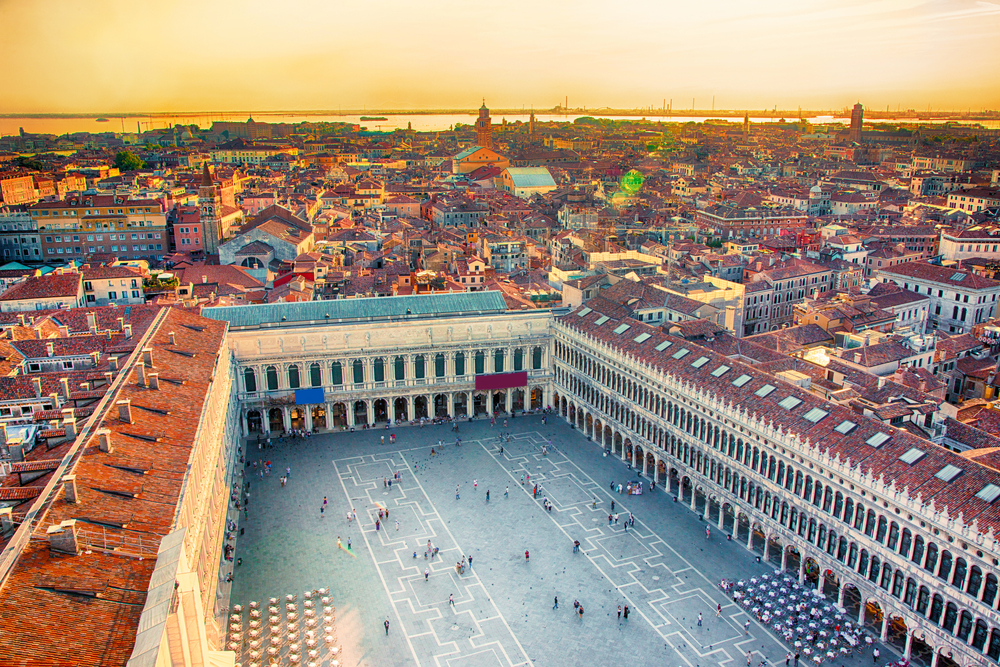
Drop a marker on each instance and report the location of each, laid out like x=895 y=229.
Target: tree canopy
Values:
x=128 y=161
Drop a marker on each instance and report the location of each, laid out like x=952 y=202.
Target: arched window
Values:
x=498 y=359
x=378 y=370
x=932 y=553
x=271 y=375
x=975 y=581
x=399 y=364
x=893 y=536
x=923 y=600
x=480 y=362
x=536 y=358
x=945 y=569
x=315 y=375
x=859 y=517
x=439 y=365
x=905 y=542
x=937 y=607
x=293 y=377
x=961 y=569
x=852 y=555
x=419 y=367
x=460 y=364
x=876 y=565
x=249 y=380
x=950 y=616
x=870 y=524
x=883 y=527
x=911 y=593
x=519 y=359
x=336 y=374
x=863 y=563
x=838 y=504
x=848 y=511
x=964 y=626
x=918 y=550
x=359 y=371
x=990 y=590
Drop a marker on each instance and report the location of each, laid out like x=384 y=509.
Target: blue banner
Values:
x=309 y=396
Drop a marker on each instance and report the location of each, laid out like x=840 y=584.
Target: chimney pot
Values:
x=64 y=331
x=113 y=363
x=92 y=322
x=62 y=538
x=56 y=399
x=6 y=520
x=140 y=373
x=121 y=324
x=49 y=349
x=104 y=440
x=125 y=411
x=154 y=380
x=128 y=331
x=109 y=377
x=147 y=356
x=171 y=334
x=69 y=483
x=38 y=386
x=64 y=383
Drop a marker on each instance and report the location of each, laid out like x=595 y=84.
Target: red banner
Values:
x=501 y=381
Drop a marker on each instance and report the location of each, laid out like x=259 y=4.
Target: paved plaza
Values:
x=663 y=567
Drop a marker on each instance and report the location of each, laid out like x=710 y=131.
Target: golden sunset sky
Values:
x=252 y=55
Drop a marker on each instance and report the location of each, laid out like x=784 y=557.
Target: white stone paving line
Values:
x=690 y=640
x=401 y=596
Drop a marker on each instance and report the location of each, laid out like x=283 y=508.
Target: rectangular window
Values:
x=815 y=415
x=845 y=427
x=699 y=362
x=790 y=402
x=741 y=380
x=720 y=371
x=765 y=390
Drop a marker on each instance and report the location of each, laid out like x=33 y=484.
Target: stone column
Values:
x=861 y=612
x=508 y=399
x=244 y=425
x=908 y=649
x=822 y=580
x=722 y=516
x=802 y=568
x=885 y=627
x=645 y=460
x=694 y=497
x=307 y=413
x=623 y=447
x=736 y=522
x=350 y=413
x=934 y=659
x=767 y=549
x=750 y=534
x=265 y=421
x=471 y=404
x=489 y=403
x=409 y=408
x=784 y=556
x=286 y=420
x=840 y=595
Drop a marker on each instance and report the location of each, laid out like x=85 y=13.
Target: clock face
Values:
x=632 y=181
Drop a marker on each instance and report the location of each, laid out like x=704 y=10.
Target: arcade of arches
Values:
x=934 y=601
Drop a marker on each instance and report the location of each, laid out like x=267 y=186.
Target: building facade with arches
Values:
x=356 y=363
x=897 y=530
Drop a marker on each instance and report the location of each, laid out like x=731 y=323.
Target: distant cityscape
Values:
x=790 y=325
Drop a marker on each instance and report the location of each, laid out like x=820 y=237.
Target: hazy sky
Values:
x=255 y=55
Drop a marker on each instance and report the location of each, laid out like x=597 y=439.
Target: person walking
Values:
x=348 y=543
x=708 y=532
x=581 y=612
x=619 y=612
x=397 y=525
x=456 y=491
x=555 y=603
x=386 y=624
x=487 y=495
x=718 y=610
x=699 y=619
x=427 y=574
x=338 y=542
x=324 y=501
x=470 y=562
x=475 y=484
x=322 y=509
x=795 y=660
x=506 y=492
x=875 y=655
x=451 y=599
x=749 y=659
x=610 y=518
x=746 y=627
x=788 y=659
x=526 y=555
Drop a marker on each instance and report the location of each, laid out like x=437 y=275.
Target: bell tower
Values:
x=210 y=205
x=484 y=127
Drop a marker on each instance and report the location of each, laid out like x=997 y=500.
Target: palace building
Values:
x=901 y=532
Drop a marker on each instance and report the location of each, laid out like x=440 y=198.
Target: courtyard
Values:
x=662 y=567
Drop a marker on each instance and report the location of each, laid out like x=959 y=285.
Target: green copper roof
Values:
x=345 y=310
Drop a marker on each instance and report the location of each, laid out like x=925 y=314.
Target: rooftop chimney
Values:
x=50 y=349
x=3 y=434
x=92 y=322
x=154 y=380
x=62 y=538
x=6 y=521
x=104 y=440
x=64 y=383
x=109 y=377
x=125 y=411
x=69 y=422
x=171 y=334
x=38 y=386
x=113 y=363
x=128 y=331
x=140 y=373
x=21 y=320
x=56 y=399
x=16 y=450
x=69 y=483
x=64 y=331
x=121 y=324
x=147 y=356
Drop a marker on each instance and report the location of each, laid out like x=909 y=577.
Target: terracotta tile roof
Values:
x=44 y=287
x=84 y=609
x=944 y=275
